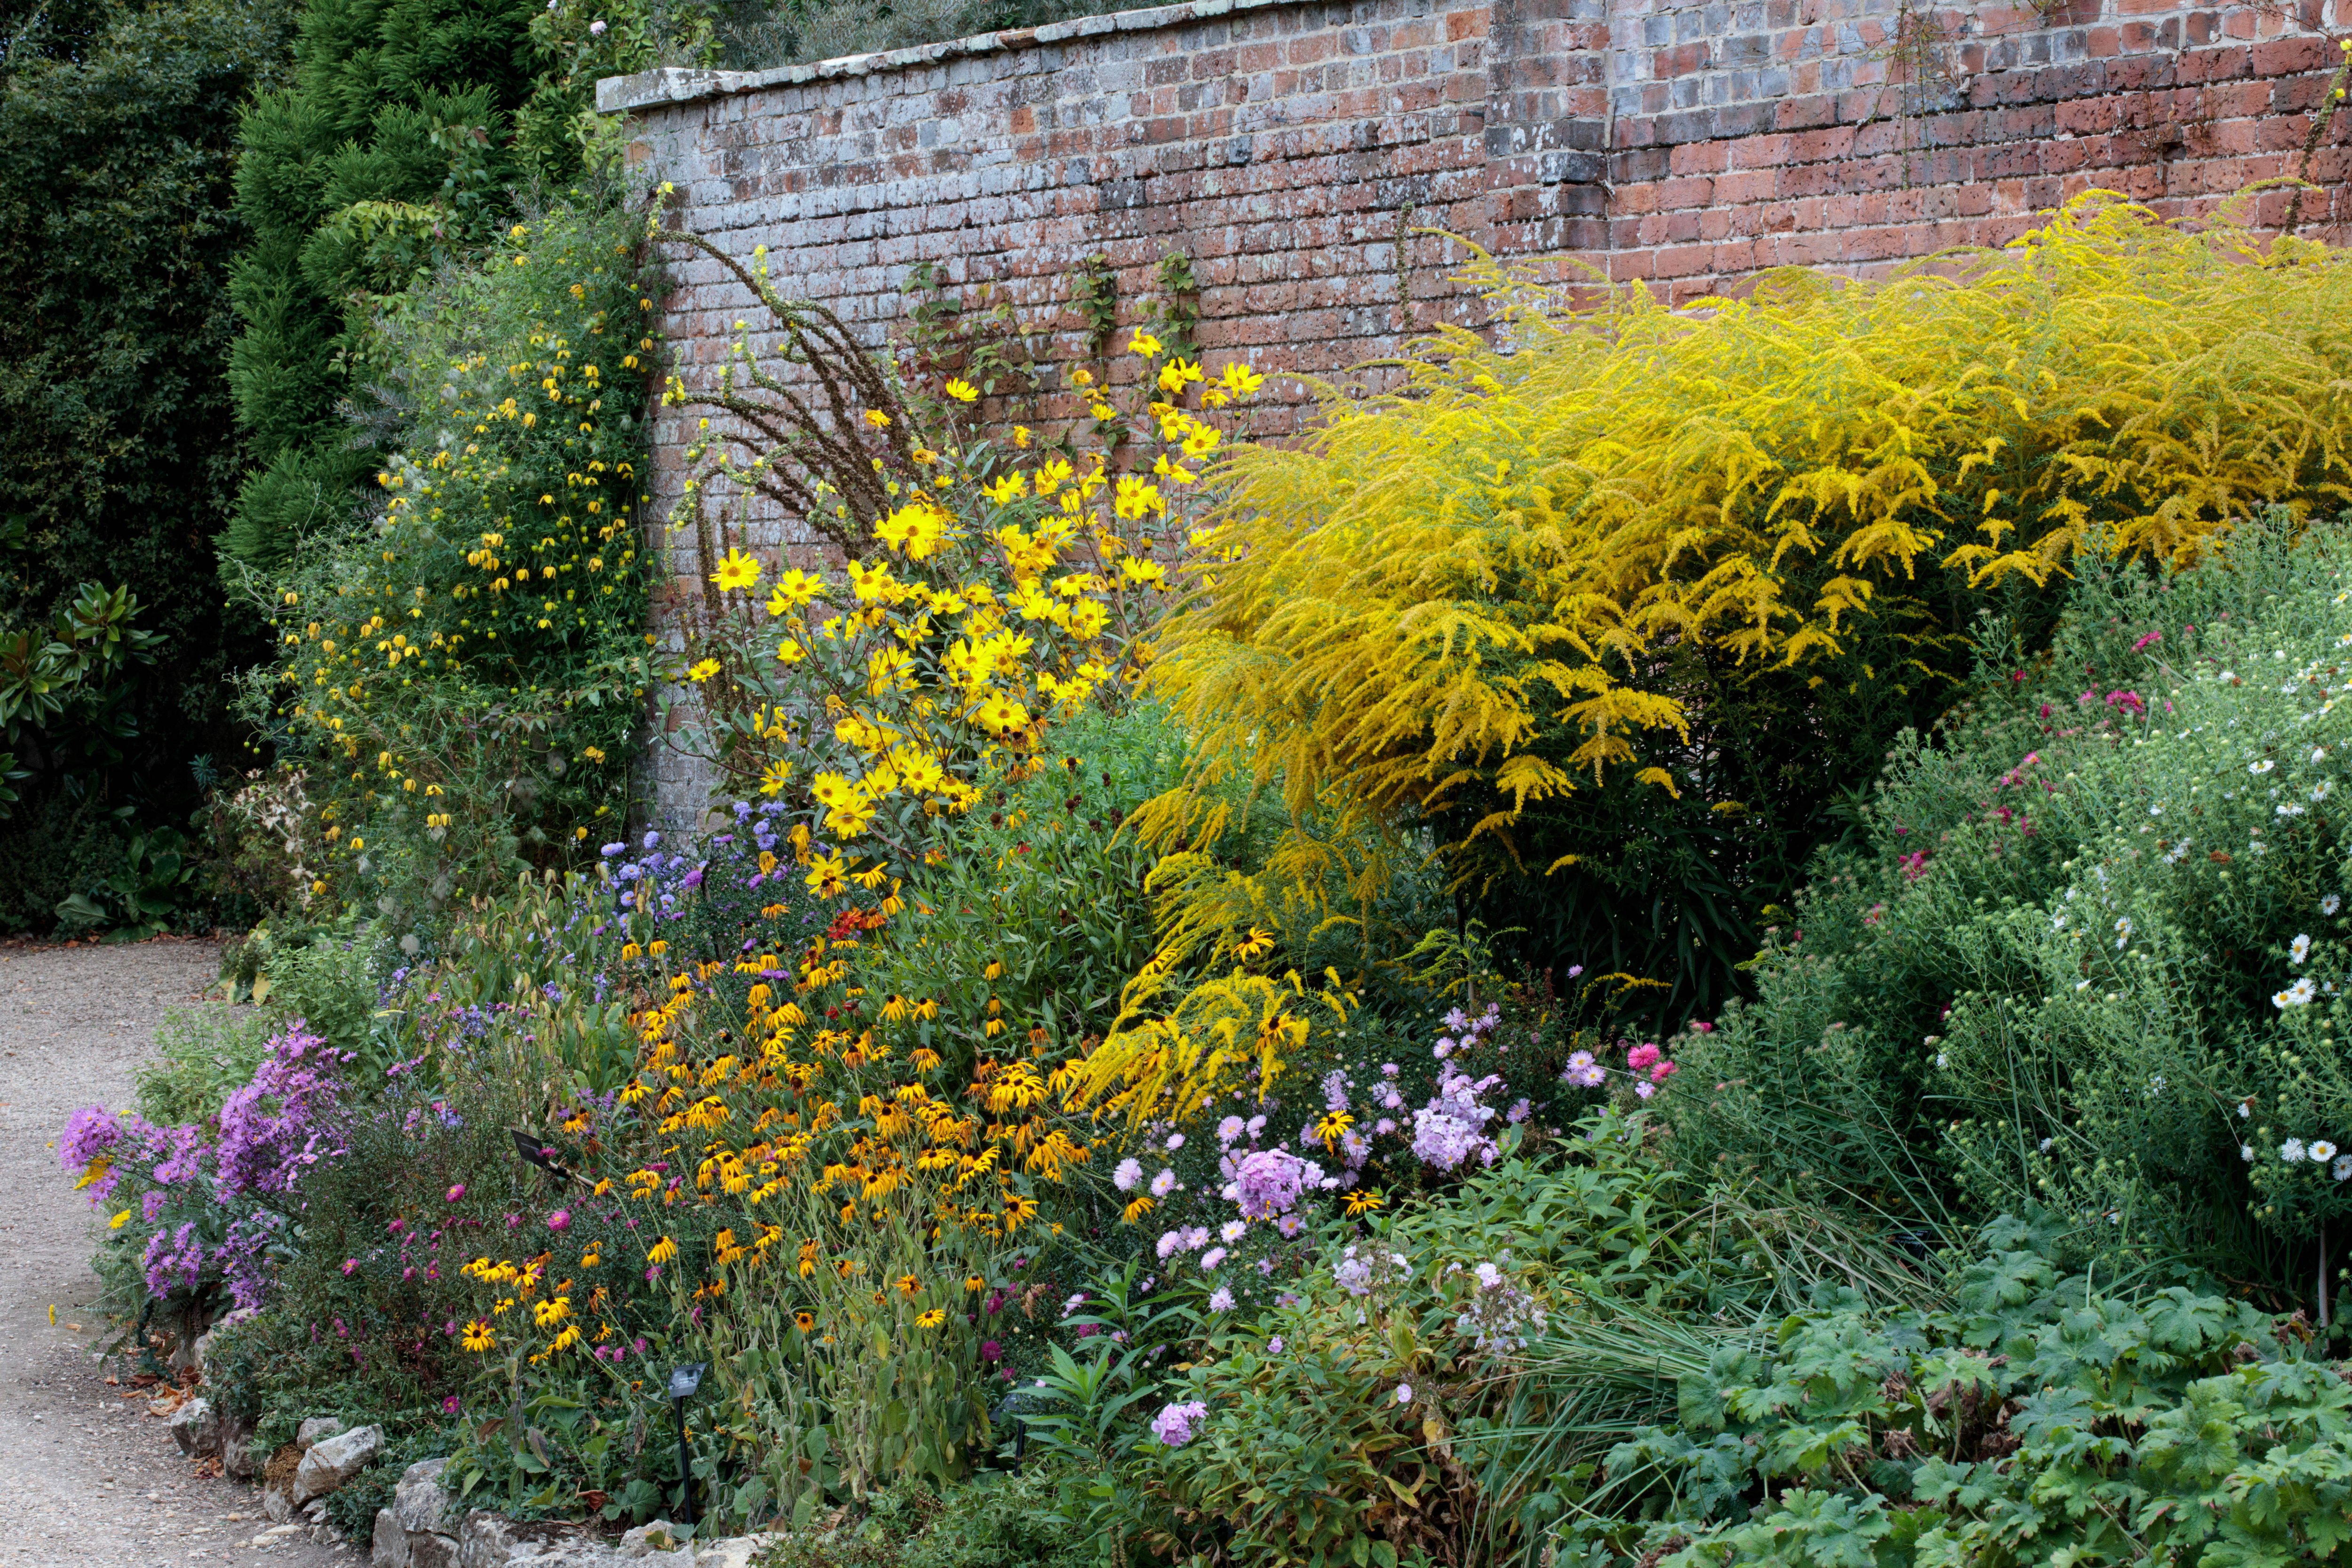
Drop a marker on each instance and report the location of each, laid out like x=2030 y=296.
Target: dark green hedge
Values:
x=117 y=452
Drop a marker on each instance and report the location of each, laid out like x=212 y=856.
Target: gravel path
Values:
x=87 y=1479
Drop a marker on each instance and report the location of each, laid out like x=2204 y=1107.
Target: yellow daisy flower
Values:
x=737 y=570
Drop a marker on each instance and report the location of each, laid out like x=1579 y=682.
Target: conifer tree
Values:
x=393 y=146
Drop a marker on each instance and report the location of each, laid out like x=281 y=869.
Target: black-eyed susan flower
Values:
x=930 y=1320
x=662 y=1251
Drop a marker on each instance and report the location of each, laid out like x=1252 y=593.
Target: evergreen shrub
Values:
x=118 y=455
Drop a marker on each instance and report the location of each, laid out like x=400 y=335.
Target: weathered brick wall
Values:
x=1290 y=147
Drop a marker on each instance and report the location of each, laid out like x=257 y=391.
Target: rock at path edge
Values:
x=195 y=1428
x=333 y=1461
x=420 y=1504
x=315 y=1430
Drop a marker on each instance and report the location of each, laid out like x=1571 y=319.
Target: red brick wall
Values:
x=1289 y=147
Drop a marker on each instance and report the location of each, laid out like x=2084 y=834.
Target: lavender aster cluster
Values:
x=282 y=1123
x=1268 y=1182
x=212 y=1202
x=1176 y=1425
x=90 y=1136
x=1451 y=1129
x=653 y=881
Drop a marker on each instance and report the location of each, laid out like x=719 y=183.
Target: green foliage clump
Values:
x=1040 y=878
x=1616 y=610
x=2037 y=1417
x=203 y=1055
x=2089 y=948
x=996 y=1520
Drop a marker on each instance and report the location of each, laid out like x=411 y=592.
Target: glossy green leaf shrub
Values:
x=118 y=456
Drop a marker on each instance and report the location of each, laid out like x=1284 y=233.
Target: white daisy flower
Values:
x=2246 y=1152
x=2322 y=1151
x=2292 y=1152
x=2298 y=995
x=2298 y=950
x=2342 y=1171
x=2330 y=904
x=2322 y=790
x=2262 y=767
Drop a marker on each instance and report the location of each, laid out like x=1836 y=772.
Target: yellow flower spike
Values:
x=963 y=391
